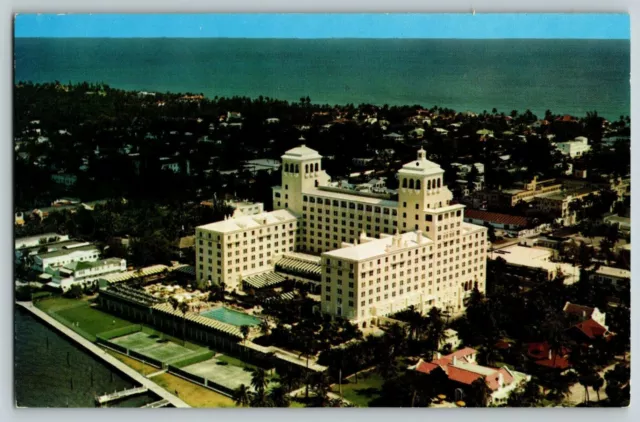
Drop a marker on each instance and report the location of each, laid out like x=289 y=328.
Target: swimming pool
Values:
x=231 y=317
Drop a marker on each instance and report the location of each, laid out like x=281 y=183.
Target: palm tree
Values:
x=264 y=327
x=259 y=382
x=279 y=397
x=597 y=384
x=184 y=308
x=174 y=304
x=242 y=396
x=244 y=329
x=321 y=387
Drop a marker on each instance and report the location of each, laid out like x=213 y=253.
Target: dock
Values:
x=117 y=395
x=156 y=404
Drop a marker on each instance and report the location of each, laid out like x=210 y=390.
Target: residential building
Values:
x=85 y=252
x=39 y=240
x=84 y=272
x=623 y=223
x=615 y=277
x=462 y=370
x=575 y=148
x=237 y=247
x=533 y=263
x=558 y=204
x=589 y=325
x=510 y=197
x=511 y=224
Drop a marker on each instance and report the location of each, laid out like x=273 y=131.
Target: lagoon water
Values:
x=50 y=371
x=566 y=76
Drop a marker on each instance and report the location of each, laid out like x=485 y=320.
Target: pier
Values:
x=106 y=398
x=102 y=354
x=155 y=404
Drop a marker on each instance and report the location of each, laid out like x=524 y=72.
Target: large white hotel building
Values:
x=378 y=255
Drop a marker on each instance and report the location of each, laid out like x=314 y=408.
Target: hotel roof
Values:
x=421 y=166
x=351 y=197
x=250 y=221
x=378 y=247
x=301 y=152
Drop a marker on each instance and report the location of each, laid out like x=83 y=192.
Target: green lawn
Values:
x=81 y=317
x=360 y=394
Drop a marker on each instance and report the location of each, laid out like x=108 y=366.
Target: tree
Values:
x=184 y=308
x=279 y=397
x=527 y=396
x=174 y=304
x=75 y=292
x=244 y=329
x=597 y=384
x=617 y=389
x=259 y=382
x=242 y=396
x=479 y=393
x=264 y=327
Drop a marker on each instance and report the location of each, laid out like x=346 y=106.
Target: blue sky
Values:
x=595 y=26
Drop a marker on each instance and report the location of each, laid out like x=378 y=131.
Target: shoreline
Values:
x=102 y=355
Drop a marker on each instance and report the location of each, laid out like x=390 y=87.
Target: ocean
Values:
x=50 y=371
x=565 y=76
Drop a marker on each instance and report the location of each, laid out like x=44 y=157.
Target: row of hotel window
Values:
x=267 y=229
x=350 y=205
x=244 y=251
x=253 y=240
x=244 y=267
x=417 y=185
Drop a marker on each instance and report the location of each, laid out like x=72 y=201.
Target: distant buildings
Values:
x=531 y=263
x=575 y=148
x=616 y=278
x=244 y=208
x=511 y=224
x=66 y=255
x=83 y=272
x=589 y=323
x=462 y=370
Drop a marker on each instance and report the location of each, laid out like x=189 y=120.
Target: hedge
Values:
x=190 y=360
x=187 y=375
x=120 y=332
x=113 y=346
x=145 y=359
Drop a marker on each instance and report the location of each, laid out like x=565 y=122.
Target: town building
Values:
x=576 y=148
x=533 y=263
x=513 y=225
x=462 y=370
x=66 y=255
x=617 y=278
x=39 y=240
x=558 y=204
x=588 y=323
x=237 y=247
x=84 y=272
x=354 y=229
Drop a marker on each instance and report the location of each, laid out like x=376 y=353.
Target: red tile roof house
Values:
x=510 y=223
x=591 y=322
x=462 y=370
x=543 y=355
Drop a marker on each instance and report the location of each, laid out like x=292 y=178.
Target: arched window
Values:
x=297 y=169
x=317 y=166
x=428 y=184
x=404 y=183
x=306 y=168
x=438 y=182
x=286 y=168
x=418 y=185
x=411 y=184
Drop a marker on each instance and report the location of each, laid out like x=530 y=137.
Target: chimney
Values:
x=418 y=236
x=454 y=361
x=500 y=379
x=438 y=355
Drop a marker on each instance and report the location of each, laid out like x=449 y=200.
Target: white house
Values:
x=83 y=272
x=41 y=239
x=65 y=256
x=574 y=148
x=615 y=277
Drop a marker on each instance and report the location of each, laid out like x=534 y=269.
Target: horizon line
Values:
x=323 y=38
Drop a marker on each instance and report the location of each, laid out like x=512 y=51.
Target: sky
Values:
x=478 y=26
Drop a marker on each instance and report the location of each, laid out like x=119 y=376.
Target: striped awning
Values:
x=128 y=275
x=201 y=320
x=297 y=266
x=263 y=280
x=186 y=269
x=283 y=297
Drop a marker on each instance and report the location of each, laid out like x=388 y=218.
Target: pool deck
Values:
x=102 y=354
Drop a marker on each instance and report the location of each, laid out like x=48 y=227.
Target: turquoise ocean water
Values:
x=566 y=76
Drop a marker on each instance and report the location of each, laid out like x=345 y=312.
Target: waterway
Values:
x=50 y=371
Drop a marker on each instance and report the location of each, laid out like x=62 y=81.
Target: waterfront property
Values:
x=449 y=253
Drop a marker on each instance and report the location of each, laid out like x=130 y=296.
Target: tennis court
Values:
x=229 y=376
x=153 y=346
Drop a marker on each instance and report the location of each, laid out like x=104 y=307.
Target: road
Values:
x=577 y=393
x=102 y=354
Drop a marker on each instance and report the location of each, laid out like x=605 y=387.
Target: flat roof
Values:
x=352 y=197
x=536 y=258
x=249 y=221
x=614 y=272
x=62 y=252
x=377 y=247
